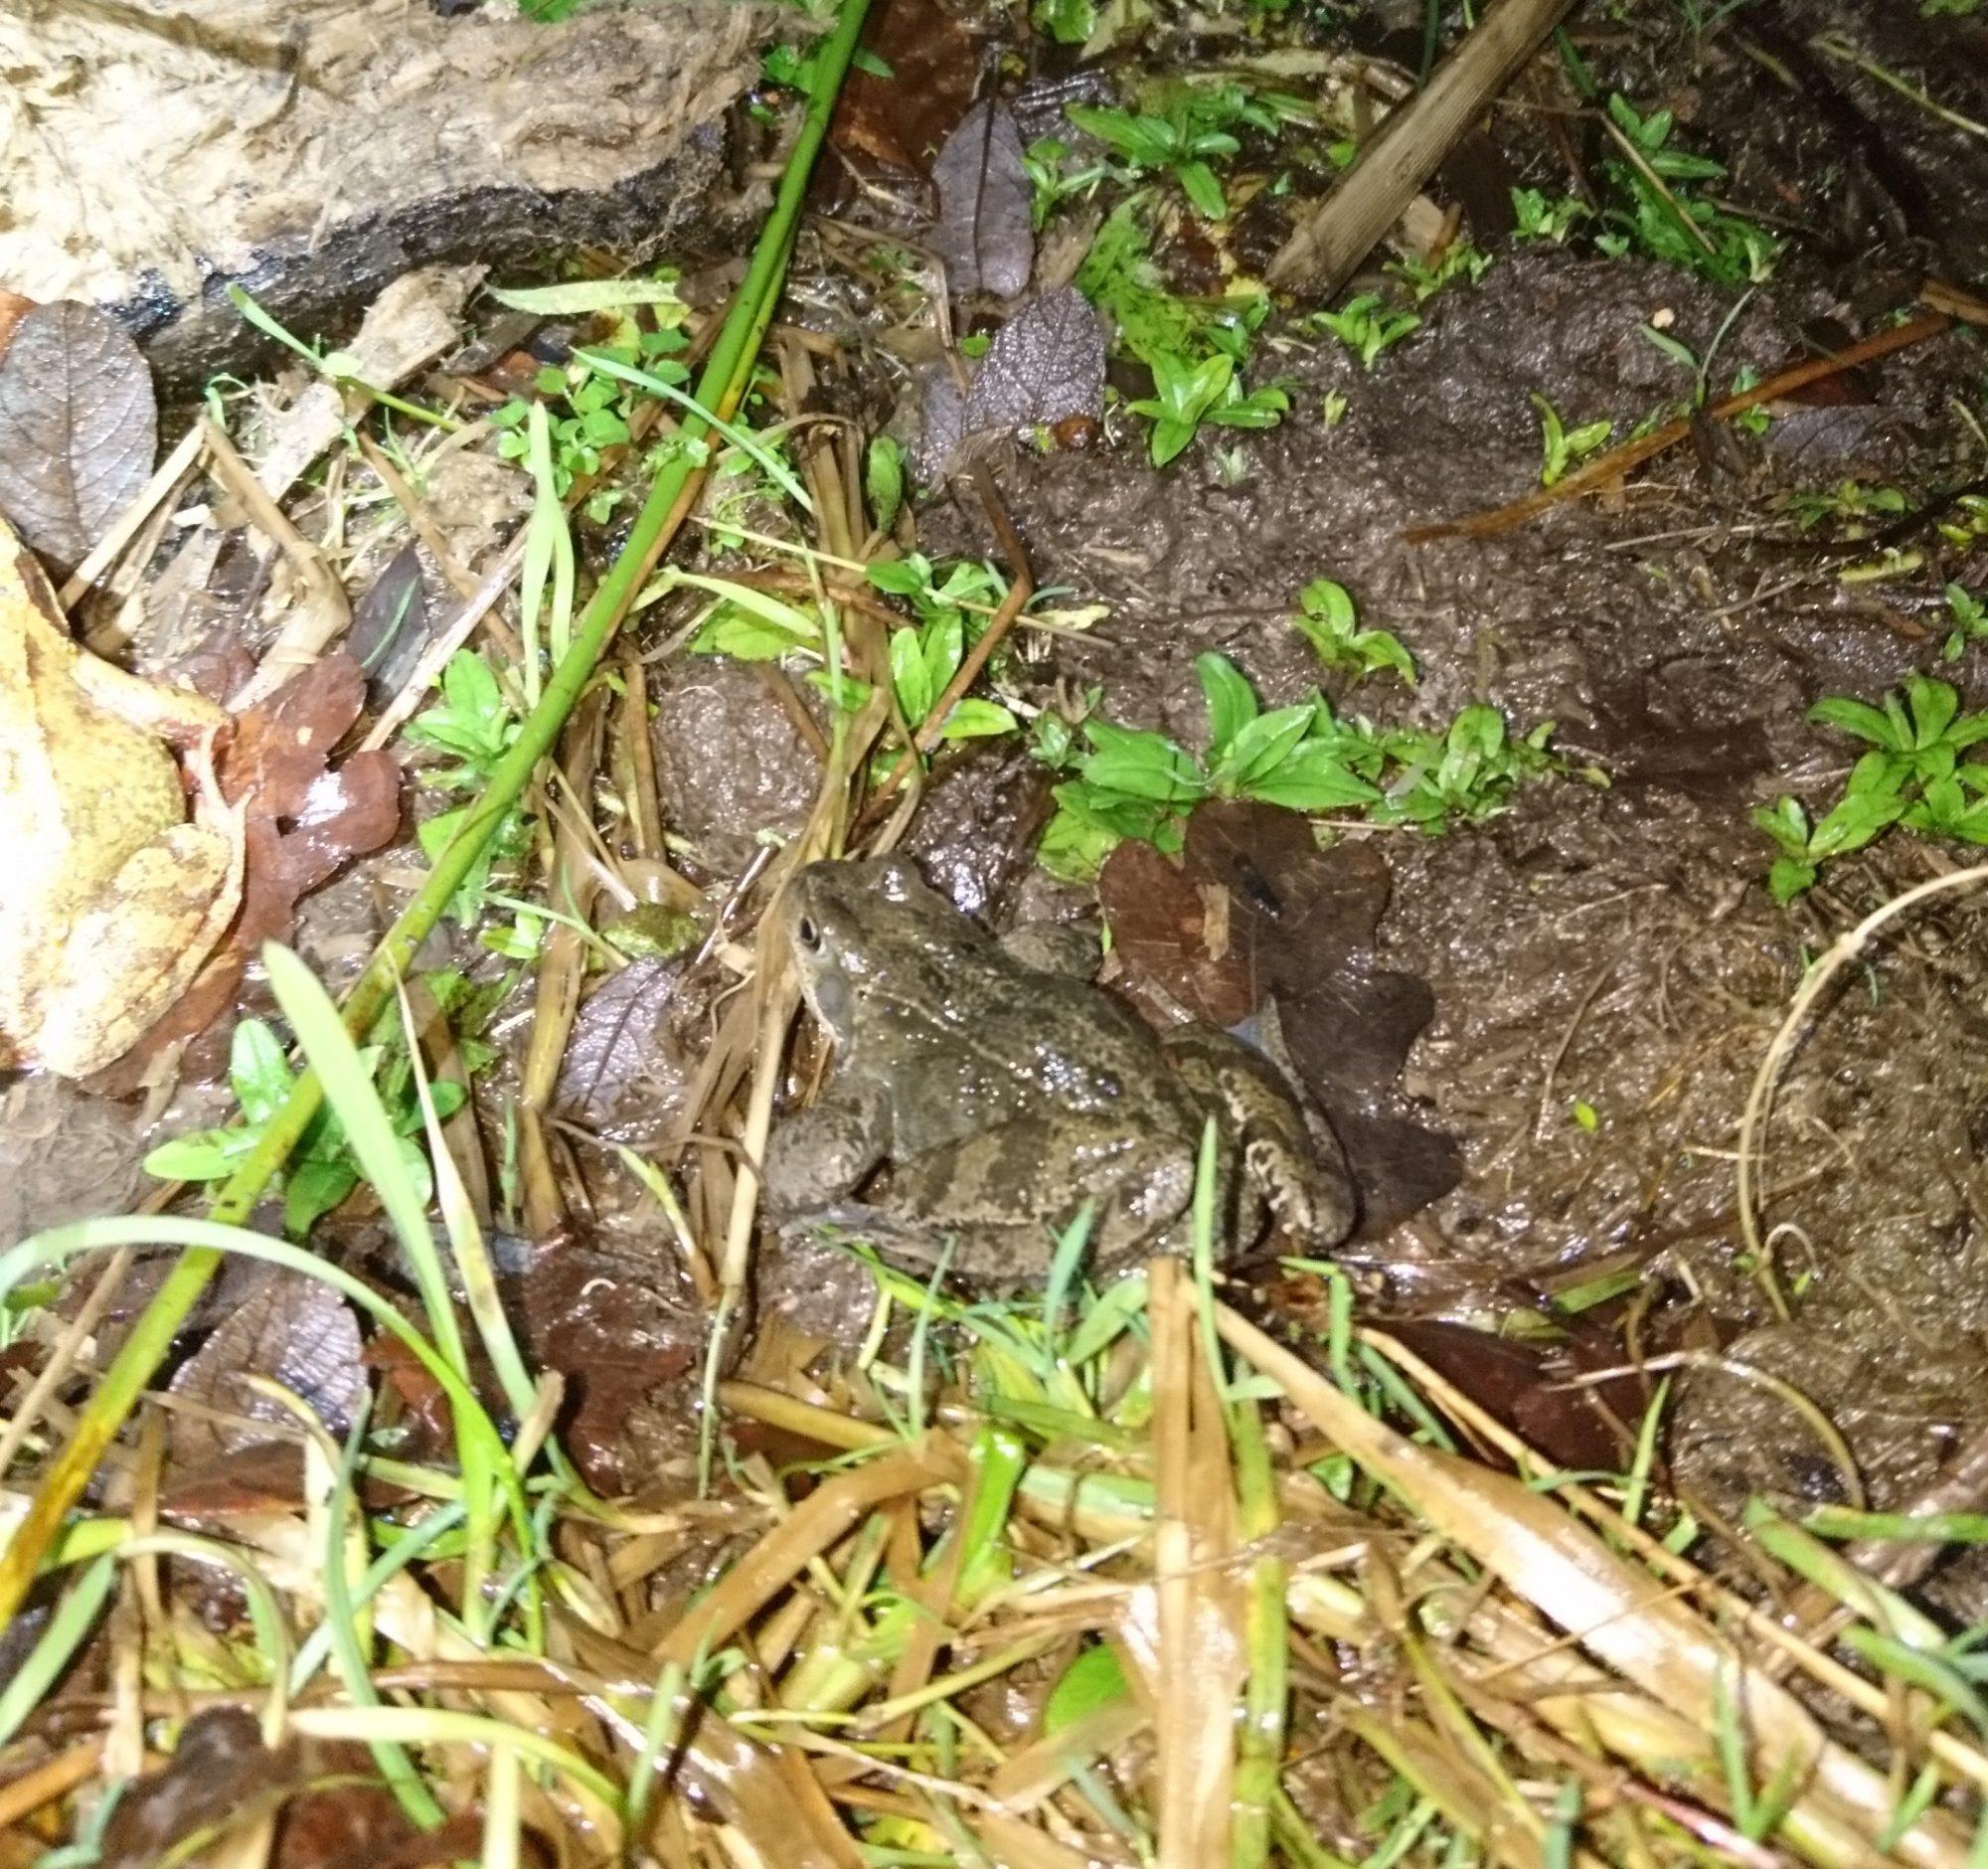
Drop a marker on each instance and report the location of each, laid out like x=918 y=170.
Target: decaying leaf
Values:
x=335 y=1811
x=1045 y=366
x=290 y=1328
x=79 y=428
x=1254 y=907
x=984 y=234
x=13 y=308
x=933 y=60
x=303 y=821
x=1255 y=914
x=621 y=1331
x=1525 y=1385
x=619 y=1039
x=391 y=623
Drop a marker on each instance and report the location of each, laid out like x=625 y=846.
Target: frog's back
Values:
x=118 y=785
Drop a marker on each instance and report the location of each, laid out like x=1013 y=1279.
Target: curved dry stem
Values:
x=1759 y=1100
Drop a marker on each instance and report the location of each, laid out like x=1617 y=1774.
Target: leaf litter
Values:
x=1045 y=366
x=1119 y=1581
x=985 y=233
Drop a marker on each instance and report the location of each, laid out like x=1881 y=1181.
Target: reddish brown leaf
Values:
x=1253 y=911
x=13 y=308
x=303 y=821
x=620 y=1335
x=1526 y=1385
x=901 y=121
x=1253 y=907
x=336 y=1814
x=262 y=1479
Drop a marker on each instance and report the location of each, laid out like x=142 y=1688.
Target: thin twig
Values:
x=1612 y=467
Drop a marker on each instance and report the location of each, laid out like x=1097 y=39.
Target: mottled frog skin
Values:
x=1003 y=1098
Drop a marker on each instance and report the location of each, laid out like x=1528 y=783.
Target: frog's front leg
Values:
x=170 y=713
x=826 y=1152
x=1297 y=1170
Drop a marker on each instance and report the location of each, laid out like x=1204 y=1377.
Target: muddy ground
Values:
x=1606 y=966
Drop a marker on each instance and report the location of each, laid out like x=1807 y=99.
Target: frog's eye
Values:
x=807 y=932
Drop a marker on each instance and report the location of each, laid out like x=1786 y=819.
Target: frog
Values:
x=113 y=899
x=1006 y=1098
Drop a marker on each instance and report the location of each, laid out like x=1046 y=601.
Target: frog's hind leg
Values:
x=1004 y=1193
x=125 y=965
x=1286 y=1163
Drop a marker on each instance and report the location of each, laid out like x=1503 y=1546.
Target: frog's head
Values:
x=847 y=922
x=860 y=928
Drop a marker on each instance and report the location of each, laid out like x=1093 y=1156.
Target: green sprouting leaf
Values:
x=1231 y=701
x=1786 y=823
x=1313 y=778
x=1094 y=1679
x=206 y=1156
x=1366 y=327
x=1790 y=877
x=1143 y=766
x=1328 y=622
x=258 y=1071
x=1860 y=719
x=313 y=1189
x=1197 y=182
x=1562 y=447
x=1261 y=747
x=884 y=481
x=1068 y=22
x=910 y=679
x=974 y=718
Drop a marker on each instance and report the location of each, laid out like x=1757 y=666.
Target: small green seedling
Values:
x=1538 y=216
x=1850 y=503
x=1913 y=775
x=1050 y=182
x=1328 y=620
x=1459 y=260
x=1175 y=143
x=1367 y=326
x=1187 y=394
x=1178 y=339
x=1562 y=447
x=1971 y=621
x=322 y=1171
x=589 y=411
x=1184 y=125
x=1664 y=217
x=1141 y=784
x=474 y=723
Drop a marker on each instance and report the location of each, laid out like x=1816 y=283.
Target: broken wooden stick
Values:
x=1411 y=145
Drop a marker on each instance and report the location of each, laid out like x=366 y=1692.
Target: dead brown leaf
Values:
x=304 y=820
x=290 y=1328
x=1255 y=914
x=901 y=121
x=78 y=428
x=13 y=308
x=335 y=1812
x=985 y=233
